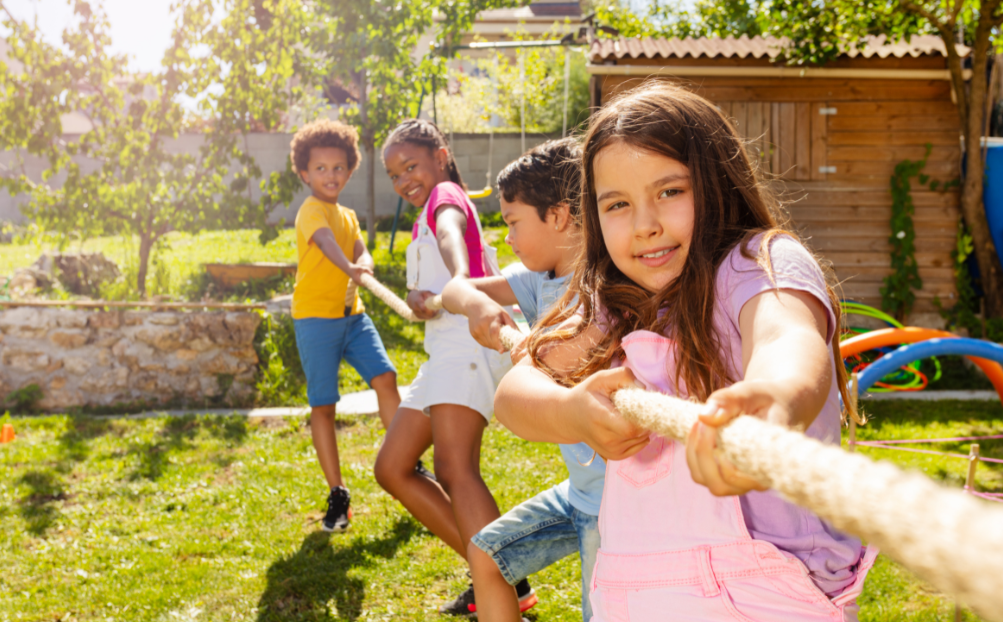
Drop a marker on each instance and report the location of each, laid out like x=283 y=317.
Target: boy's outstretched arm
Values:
x=324 y=239
x=481 y=300
x=534 y=407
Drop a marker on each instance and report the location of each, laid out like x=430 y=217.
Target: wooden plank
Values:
x=902 y=108
x=827 y=244
x=775 y=138
x=802 y=141
x=894 y=153
x=819 y=140
x=794 y=93
x=118 y=304
x=881 y=259
x=788 y=139
x=892 y=138
x=757 y=125
x=808 y=215
x=860 y=198
x=939 y=170
x=894 y=123
x=870 y=274
x=740 y=118
x=925 y=231
x=725 y=108
x=854 y=290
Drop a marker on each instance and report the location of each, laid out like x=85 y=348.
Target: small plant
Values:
x=281 y=381
x=25 y=398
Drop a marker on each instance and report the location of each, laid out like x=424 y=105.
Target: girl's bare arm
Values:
x=788 y=374
x=450 y=227
x=481 y=300
x=536 y=408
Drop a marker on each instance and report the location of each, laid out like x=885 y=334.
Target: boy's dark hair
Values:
x=428 y=135
x=324 y=133
x=545 y=176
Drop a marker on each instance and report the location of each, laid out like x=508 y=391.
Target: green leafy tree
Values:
x=127 y=175
x=372 y=44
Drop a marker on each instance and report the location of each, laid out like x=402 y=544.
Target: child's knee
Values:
x=388 y=472
x=480 y=562
x=323 y=414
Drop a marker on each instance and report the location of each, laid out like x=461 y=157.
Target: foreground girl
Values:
x=689 y=283
x=451 y=399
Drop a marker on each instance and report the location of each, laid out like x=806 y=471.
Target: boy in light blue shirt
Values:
x=539 y=203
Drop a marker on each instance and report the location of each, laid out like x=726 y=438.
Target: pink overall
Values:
x=673 y=551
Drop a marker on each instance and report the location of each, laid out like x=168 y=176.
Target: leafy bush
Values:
x=281 y=381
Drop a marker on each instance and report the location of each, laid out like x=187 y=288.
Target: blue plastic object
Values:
x=924 y=350
x=992 y=193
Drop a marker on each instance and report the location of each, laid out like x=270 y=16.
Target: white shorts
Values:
x=458 y=370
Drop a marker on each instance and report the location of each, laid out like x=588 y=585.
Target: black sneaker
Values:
x=421 y=470
x=338 y=512
x=464 y=604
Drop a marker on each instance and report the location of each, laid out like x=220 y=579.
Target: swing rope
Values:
x=945 y=536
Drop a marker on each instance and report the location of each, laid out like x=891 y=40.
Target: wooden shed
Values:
x=833 y=135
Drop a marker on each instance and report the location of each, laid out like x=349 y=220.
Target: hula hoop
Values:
x=925 y=349
x=895 y=336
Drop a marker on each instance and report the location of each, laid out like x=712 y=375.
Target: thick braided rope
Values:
x=945 y=536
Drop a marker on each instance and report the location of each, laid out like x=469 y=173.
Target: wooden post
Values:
x=851 y=443
x=982 y=317
x=973 y=464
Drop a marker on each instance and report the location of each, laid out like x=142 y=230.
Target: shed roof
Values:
x=755 y=47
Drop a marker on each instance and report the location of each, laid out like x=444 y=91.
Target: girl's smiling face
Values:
x=646 y=213
x=415 y=170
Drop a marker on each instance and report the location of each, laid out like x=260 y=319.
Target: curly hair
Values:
x=324 y=133
x=425 y=134
x=545 y=176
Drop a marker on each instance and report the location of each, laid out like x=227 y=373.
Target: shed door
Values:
x=786 y=138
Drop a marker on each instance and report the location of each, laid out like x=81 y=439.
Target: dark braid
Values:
x=425 y=134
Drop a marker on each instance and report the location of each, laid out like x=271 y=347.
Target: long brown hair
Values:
x=731 y=207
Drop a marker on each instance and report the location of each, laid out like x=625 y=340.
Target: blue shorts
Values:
x=324 y=342
x=537 y=533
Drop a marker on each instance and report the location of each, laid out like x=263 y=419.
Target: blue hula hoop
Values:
x=923 y=350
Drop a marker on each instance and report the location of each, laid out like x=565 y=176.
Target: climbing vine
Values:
x=898 y=294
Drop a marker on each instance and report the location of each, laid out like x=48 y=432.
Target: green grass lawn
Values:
x=216 y=519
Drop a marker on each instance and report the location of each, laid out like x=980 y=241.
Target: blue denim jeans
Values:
x=539 y=532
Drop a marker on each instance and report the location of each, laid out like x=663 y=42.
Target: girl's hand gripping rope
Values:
x=417 y=300
x=486 y=319
x=595 y=420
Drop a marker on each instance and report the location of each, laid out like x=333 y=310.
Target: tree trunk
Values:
x=145 y=246
x=972 y=207
x=368 y=144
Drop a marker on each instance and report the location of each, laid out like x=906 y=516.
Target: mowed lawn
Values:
x=215 y=518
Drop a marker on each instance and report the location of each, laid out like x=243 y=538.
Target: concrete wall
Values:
x=272 y=151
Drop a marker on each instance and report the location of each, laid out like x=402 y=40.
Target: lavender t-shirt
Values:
x=831 y=556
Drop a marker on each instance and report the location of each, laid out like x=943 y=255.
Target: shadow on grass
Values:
x=40 y=507
x=179 y=434
x=301 y=586
x=74 y=443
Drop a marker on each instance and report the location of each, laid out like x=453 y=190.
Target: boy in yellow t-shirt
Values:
x=328 y=315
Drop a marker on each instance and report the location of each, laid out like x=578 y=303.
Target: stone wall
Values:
x=100 y=358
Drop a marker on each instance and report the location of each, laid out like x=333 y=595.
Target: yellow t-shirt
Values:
x=323 y=290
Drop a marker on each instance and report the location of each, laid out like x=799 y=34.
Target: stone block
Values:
x=68 y=318
x=77 y=364
x=68 y=339
x=60 y=399
x=208 y=325
x=104 y=357
x=30 y=318
x=164 y=319
x=208 y=386
x=106 y=339
x=134 y=318
x=245 y=355
x=186 y=355
x=241 y=327
x=54 y=365
x=193 y=387
x=57 y=383
x=180 y=370
x=132 y=354
x=161 y=337
x=200 y=344
x=105 y=319
x=25 y=360
x=107 y=381
x=221 y=364
x=152 y=367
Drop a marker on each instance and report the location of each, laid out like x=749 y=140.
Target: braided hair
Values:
x=425 y=134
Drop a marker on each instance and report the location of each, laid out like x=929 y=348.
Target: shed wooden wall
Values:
x=799 y=128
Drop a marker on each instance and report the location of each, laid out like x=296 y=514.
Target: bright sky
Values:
x=139 y=28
